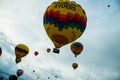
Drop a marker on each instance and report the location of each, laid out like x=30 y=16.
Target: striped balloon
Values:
x=64 y=22
x=76 y=48
x=21 y=50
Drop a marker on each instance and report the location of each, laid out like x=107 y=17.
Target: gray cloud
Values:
x=21 y=21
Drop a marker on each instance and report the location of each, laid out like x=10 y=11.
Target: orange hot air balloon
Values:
x=48 y=50
x=76 y=48
x=0 y=51
x=36 y=53
x=21 y=50
x=74 y=65
x=64 y=22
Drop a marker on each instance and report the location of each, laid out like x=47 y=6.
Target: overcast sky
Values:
x=21 y=21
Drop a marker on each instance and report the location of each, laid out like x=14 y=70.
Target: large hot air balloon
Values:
x=64 y=22
x=76 y=48
x=12 y=77
x=36 y=53
x=0 y=51
x=21 y=50
x=20 y=72
x=74 y=65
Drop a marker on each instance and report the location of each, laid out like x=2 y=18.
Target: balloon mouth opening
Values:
x=59 y=40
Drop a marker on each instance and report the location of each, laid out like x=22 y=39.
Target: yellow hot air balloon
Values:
x=74 y=65
x=21 y=50
x=64 y=22
x=76 y=48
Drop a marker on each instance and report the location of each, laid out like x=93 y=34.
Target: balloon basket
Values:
x=56 y=50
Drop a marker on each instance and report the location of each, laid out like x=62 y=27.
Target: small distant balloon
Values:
x=76 y=48
x=33 y=70
x=108 y=5
x=0 y=51
x=36 y=53
x=20 y=72
x=48 y=77
x=13 y=77
x=55 y=76
x=21 y=50
x=74 y=65
x=48 y=50
x=37 y=77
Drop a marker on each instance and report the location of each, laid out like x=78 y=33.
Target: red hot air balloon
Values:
x=36 y=53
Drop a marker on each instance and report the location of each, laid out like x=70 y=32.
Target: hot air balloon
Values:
x=0 y=51
x=64 y=22
x=74 y=65
x=21 y=50
x=76 y=48
x=33 y=70
x=48 y=50
x=37 y=77
x=12 y=77
x=55 y=76
x=20 y=72
x=36 y=53
x=108 y=5
x=48 y=77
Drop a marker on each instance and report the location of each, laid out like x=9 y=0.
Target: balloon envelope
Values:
x=0 y=51
x=21 y=50
x=64 y=22
x=76 y=48
x=36 y=53
x=12 y=77
x=74 y=65
x=20 y=72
